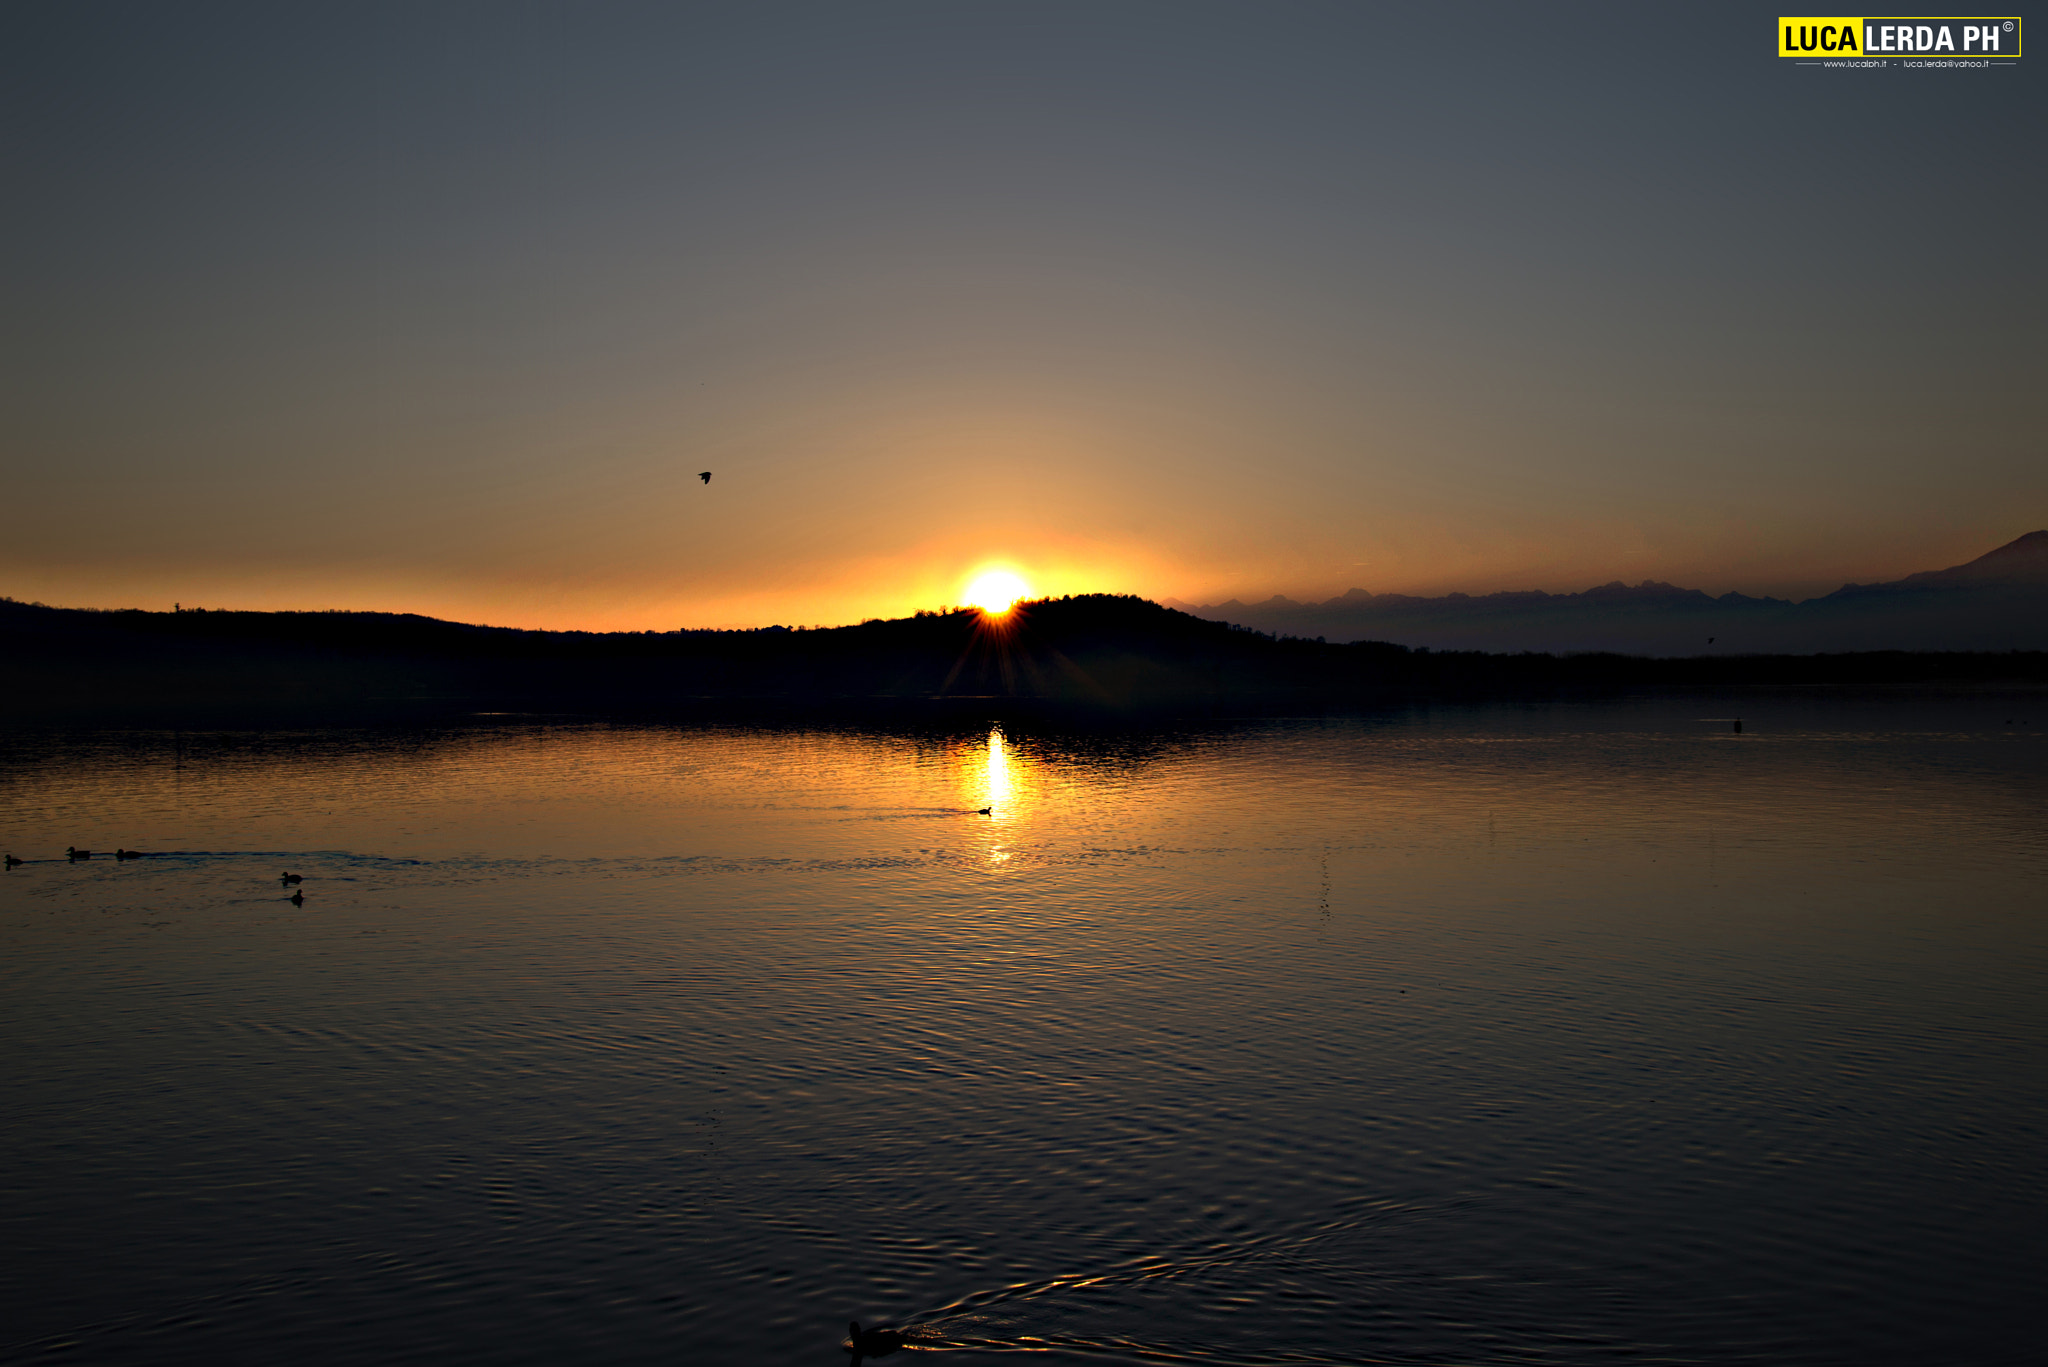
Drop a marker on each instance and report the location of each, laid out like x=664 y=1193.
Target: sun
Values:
x=995 y=592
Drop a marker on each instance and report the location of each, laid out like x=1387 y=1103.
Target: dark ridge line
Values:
x=1092 y=652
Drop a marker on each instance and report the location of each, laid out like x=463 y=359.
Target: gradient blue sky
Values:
x=441 y=307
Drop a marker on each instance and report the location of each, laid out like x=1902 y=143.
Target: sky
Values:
x=442 y=308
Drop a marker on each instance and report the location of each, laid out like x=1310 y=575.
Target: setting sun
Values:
x=995 y=591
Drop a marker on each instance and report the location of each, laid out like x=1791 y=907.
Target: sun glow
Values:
x=995 y=591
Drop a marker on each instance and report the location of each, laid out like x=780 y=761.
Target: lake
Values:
x=1547 y=1033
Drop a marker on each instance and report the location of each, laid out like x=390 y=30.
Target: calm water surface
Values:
x=1567 y=1034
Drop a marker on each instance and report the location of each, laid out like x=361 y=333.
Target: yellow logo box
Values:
x=1812 y=37
x=1998 y=36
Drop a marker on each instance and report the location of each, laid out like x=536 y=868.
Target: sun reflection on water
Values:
x=998 y=781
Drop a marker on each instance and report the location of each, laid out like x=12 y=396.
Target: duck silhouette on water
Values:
x=297 y=899
x=871 y=1343
x=287 y=879
x=12 y=861
x=73 y=853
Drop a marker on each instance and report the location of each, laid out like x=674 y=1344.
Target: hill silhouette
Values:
x=1094 y=650
x=1998 y=601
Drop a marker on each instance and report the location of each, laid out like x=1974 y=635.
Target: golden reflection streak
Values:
x=998 y=779
x=995 y=776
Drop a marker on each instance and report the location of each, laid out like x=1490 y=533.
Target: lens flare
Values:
x=995 y=592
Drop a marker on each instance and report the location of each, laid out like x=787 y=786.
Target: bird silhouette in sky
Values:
x=704 y=475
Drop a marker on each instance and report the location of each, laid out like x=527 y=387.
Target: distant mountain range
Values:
x=1998 y=601
x=1093 y=651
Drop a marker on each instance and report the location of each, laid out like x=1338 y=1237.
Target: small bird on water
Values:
x=12 y=861
x=289 y=878
x=984 y=811
x=704 y=475
x=298 y=899
x=72 y=852
x=872 y=1343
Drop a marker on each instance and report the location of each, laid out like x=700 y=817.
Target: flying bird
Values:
x=704 y=475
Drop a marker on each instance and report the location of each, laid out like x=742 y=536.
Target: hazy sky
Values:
x=441 y=308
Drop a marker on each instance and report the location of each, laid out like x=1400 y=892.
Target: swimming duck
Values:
x=872 y=1343
x=289 y=878
x=298 y=899
x=127 y=854
x=73 y=852
x=12 y=861
x=984 y=811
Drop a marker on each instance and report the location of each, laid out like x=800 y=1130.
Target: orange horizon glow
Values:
x=818 y=589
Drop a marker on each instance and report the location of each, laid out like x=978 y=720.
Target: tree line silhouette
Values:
x=1099 y=650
